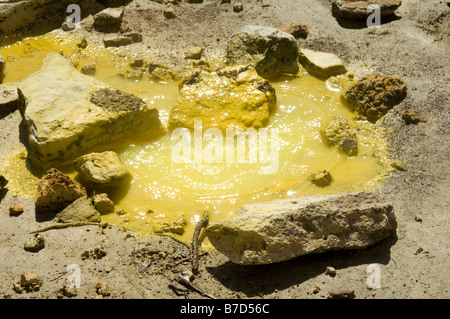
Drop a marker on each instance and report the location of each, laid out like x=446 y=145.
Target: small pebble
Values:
x=15 y=208
x=35 y=243
x=238 y=7
x=330 y=271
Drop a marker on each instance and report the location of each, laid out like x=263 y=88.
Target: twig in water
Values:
x=202 y=223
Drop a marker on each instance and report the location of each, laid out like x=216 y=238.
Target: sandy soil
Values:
x=414 y=264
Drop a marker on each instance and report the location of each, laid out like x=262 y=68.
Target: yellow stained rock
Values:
x=235 y=97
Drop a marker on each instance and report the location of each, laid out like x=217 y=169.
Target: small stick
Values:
x=202 y=223
x=65 y=225
x=185 y=280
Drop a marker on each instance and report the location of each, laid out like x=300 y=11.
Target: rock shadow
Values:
x=347 y=23
x=3 y=193
x=265 y=279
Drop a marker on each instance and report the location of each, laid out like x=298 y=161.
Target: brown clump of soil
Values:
x=374 y=95
x=116 y=100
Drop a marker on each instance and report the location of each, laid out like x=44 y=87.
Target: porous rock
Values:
x=56 y=190
x=279 y=230
x=335 y=130
x=374 y=95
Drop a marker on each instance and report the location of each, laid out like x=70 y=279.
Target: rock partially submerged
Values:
x=69 y=114
x=359 y=9
x=103 y=204
x=321 y=64
x=56 y=191
x=280 y=230
x=338 y=132
x=104 y=169
x=229 y=97
x=374 y=95
x=174 y=224
x=269 y=50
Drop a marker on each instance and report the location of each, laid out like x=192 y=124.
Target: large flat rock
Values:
x=321 y=64
x=69 y=114
x=279 y=230
x=359 y=9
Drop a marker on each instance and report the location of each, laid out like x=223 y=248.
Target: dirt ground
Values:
x=414 y=264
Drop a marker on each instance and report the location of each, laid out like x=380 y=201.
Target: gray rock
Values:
x=114 y=40
x=279 y=230
x=80 y=210
x=11 y=98
x=321 y=64
x=269 y=50
x=194 y=53
x=109 y=19
x=348 y=146
x=357 y=9
x=102 y=169
x=103 y=204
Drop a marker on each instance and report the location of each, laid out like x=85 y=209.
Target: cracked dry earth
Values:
x=414 y=264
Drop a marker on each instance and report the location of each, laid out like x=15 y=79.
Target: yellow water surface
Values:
x=162 y=188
